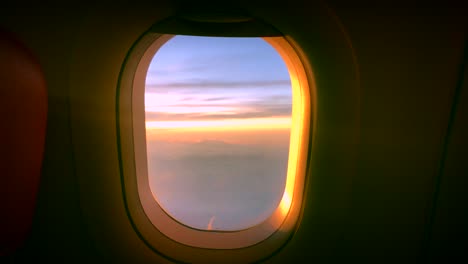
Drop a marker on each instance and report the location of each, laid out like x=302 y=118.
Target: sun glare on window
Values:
x=218 y=118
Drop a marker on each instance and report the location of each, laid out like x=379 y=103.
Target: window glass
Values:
x=218 y=117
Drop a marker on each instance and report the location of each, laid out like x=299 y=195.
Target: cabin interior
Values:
x=386 y=174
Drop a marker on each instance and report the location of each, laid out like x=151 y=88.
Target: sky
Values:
x=218 y=115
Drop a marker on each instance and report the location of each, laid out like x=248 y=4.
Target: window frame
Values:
x=160 y=231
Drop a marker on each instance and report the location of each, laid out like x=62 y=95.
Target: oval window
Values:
x=218 y=120
x=214 y=143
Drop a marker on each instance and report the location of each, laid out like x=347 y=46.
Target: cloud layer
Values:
x=238 y=184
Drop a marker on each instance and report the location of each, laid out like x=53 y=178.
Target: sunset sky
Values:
x=218 y=118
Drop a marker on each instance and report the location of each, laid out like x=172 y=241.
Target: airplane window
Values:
x=218 y=119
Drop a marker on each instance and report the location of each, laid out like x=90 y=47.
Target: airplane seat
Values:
x=23 y=116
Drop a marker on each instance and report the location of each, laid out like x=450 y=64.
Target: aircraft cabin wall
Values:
x=389 y=161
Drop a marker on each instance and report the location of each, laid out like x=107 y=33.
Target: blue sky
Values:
x=232 y=77
x=218 y=117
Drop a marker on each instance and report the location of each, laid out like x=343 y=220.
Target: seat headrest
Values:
x=23 y=114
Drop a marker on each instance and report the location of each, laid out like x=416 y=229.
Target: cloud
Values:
x=259 y=112
x=187 y=67
x=236 y=183
x=217 y=99
x=180 y=150
x=216 y=85
x=200 y=63
x=232 y=108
